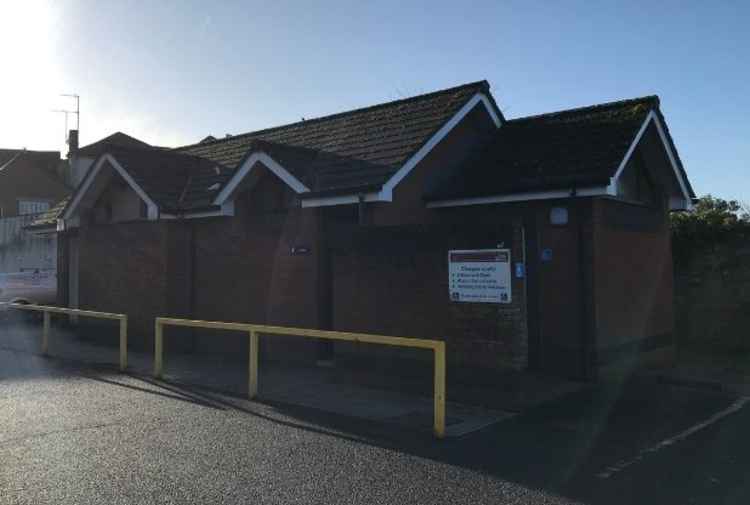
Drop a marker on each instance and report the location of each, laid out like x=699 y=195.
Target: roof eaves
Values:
x=353 y=190
x=673 y=147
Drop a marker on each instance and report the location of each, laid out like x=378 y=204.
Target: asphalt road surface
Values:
x=70 y=434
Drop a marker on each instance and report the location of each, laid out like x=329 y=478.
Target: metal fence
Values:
x=48 y=311
x=254 y=331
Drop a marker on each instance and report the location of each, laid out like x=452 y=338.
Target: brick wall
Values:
x=123 y=269
x=394 y=281
x=633 y=274
x=245 y=270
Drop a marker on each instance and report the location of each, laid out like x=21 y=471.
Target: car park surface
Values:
x=82 y=433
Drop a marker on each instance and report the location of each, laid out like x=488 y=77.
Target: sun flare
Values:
x=29 y=86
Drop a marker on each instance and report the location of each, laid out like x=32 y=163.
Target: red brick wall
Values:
x=123 y=269
x=633 y=273
x=394 y=281
x=245 y=271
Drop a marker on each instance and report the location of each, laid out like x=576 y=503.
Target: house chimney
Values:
x=72 y=165
x=72 y=143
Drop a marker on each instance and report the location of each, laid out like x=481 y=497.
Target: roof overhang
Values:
x=247 y=166
x=686 y=200
x=523 y=197
x=226 y=209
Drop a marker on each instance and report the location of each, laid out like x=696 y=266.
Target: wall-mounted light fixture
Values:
x=558 y=216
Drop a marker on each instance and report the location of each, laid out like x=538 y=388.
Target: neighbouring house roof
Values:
x=48 y=160
x=574 y=148
x=35 y=165
x=8 y=154
x=351 y=151
x=39 y=167
x=117 y=139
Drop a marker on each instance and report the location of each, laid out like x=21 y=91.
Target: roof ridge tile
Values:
x=653 y=99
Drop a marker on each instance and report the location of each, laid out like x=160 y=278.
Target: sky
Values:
x=172 y=72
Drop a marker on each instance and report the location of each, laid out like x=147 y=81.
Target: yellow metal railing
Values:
x=254 y=330
x=48 y=310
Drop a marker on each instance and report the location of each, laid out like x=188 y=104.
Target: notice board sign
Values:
x=479 y=276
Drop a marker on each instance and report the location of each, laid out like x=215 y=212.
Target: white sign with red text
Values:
x=479 y=276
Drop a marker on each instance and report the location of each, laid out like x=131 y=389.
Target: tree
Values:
x=711 y=221
x=745 y=211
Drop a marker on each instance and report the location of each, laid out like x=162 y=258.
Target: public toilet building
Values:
x=539 y=242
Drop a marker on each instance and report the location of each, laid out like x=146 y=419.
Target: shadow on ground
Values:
x=559 y=447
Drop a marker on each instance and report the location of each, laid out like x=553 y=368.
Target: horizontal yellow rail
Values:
x=47 y=310
x=254 y=330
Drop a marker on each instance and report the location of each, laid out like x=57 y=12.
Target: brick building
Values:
x=31 y=182
x=346 y=222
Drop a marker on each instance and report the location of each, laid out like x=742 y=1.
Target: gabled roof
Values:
x=574 y=148
x=352 y=151
x=347 y=152
x=176 y=182
x=117 y=139
x=173 y=182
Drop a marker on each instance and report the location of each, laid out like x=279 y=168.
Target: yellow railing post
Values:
x=254 y=331
x=47 y=312
x=439 y=388
x=252 y=380
x=158 y=350
x=45 y=334
x=123 y=343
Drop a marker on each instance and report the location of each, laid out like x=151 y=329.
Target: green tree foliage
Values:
x=713 y=220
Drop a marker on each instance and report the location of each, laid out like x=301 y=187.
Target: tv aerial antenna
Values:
x=77 y=112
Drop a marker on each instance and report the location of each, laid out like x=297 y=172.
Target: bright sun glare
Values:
x=29 y=87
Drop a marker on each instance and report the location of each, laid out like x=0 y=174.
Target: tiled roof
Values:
x=47 y=160
x=572 y=148
x=175 y=181
x=117 y=139
x=349 y=151
x=8 y=154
